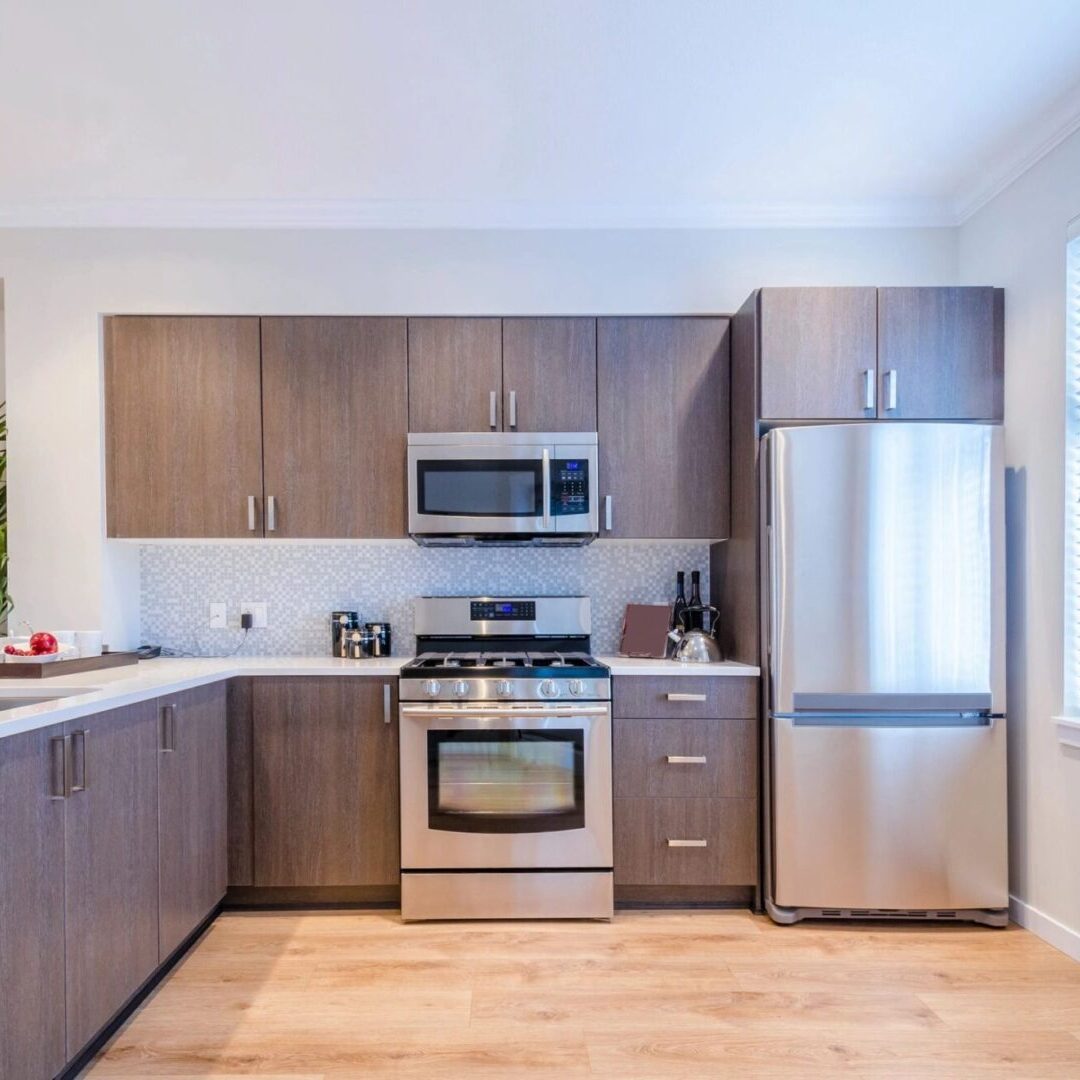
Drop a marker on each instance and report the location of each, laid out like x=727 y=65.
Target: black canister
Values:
x=342 y=623
x=379 y=642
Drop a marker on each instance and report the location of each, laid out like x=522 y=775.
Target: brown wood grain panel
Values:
x=192 y=813
x=550 y=365
x=335 y=418
x=641 y=749
x=183 y=425
x=325 y=782
x=239 y=755
x=945 y=345
x=663 y=418
x=454 y=366
x=647 y=696
x=32 y=1039
x=816 y=344
x=111 y=866
x=644 y=826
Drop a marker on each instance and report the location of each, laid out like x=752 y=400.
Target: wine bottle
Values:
x=680 y=603
x=696 y=619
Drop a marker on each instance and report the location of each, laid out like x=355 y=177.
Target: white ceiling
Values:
x=526 y=112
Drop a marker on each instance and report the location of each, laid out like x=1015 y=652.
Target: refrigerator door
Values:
x=885 y=568
x=889 y=814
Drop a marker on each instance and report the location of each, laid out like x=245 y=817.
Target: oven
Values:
x=502 y=487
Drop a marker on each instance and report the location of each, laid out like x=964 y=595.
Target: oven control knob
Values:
x=460 y=688
x=431 y=687
x=549 y=688
x=504 y=688
x=577 y=687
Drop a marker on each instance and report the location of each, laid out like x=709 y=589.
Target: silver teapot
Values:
x=696 y=646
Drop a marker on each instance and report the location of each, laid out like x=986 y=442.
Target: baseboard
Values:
x=1049 y=929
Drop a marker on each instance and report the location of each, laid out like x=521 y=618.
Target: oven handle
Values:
x=509 y=711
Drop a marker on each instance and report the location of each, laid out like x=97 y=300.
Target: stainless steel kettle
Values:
x=697 y=646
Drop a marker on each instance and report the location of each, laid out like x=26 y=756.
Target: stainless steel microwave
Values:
x=502 y=488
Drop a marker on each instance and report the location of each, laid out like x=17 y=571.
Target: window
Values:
x=1072 y=476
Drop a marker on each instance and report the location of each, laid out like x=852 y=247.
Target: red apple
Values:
x=14 y=650
x=42 y=643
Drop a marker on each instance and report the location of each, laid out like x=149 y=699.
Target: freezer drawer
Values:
x=890 y=813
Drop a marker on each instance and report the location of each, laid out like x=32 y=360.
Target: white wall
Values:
x=58 y=283
x=1018 y=241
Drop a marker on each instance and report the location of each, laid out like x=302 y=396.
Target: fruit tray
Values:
x=15 y=670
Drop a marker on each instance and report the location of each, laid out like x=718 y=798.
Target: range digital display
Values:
x=504 y=610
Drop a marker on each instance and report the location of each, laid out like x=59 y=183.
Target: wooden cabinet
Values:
x=941 y=353
x=455 y=374
x=325 y=781
x=818 y=353
x=335 y=417
x=662 y=395
x=549 y=374
x=110 y=865
x=183 y=426
x=191 y=811
x=32 y=1034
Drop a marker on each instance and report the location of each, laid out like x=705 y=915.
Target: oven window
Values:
x=480 y=488
x=506 y=781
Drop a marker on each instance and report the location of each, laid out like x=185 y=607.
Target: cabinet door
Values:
x=455 y=366
x=111 y=865
x=818 y=353
x=325 y=781
x=941 y=353
x=183 y=426
x=32 y=1044
x=662 y=394
x=549 y=374
x=191 y=811
x=335 y=416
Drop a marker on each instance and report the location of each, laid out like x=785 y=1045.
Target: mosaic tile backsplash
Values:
x=303 y=583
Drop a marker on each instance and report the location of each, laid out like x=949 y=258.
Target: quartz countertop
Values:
x=95 y=691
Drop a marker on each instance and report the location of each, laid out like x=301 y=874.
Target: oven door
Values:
x=501 y=486
x=505 y=786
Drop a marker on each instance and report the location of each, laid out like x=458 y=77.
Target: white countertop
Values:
x=112 y=688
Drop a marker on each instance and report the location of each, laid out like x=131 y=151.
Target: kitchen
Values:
x=486 y=444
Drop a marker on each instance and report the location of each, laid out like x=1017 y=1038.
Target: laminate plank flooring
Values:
x=655 y=995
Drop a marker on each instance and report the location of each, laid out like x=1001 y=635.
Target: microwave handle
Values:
x=547 y=487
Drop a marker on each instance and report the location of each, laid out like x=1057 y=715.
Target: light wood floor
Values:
x=323 y=996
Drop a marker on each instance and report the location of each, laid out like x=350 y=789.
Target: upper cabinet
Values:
x=521 y=374
x=889 y=354
x=335 y=414
x=183 y=426
x=818 y=353
x=941 y=353
x=663 y=386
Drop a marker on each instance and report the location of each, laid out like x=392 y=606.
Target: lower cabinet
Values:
x=110 y=864
x=32 y=1034
x=191 y=811
x=324 y=781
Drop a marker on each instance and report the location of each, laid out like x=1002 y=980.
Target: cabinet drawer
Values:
x=686 y=757
x=674 y=696
x=685 y=841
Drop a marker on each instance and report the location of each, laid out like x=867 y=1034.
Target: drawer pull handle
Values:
x=688 y=843
x=686 y=697
x=686 y=759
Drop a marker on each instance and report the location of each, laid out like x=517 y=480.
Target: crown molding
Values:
x=401 y=214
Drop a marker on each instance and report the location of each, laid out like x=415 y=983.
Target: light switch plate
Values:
x=217 y=617
x=258 y=612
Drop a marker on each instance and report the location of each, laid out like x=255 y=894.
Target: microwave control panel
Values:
x=570 y=486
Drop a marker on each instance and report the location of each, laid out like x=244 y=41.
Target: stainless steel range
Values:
x=505 y=762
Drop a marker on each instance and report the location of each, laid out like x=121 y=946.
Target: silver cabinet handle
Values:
x=686 y=697
x=686 y=759
x=891 y=381
x=869 y=389
x=513 y=408
x=59 y=766
x=493 y=409
x=271 y=513
x=688 y=843
x=77 y=753
x=168 y=728
x=251 y=513
x=546 y=494
x=607 y=512
x=386 y=703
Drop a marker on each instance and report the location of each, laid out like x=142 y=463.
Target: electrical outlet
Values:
x=217 y=617
x=258 y=612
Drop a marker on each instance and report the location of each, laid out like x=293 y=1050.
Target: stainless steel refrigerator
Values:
x=884 y=596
